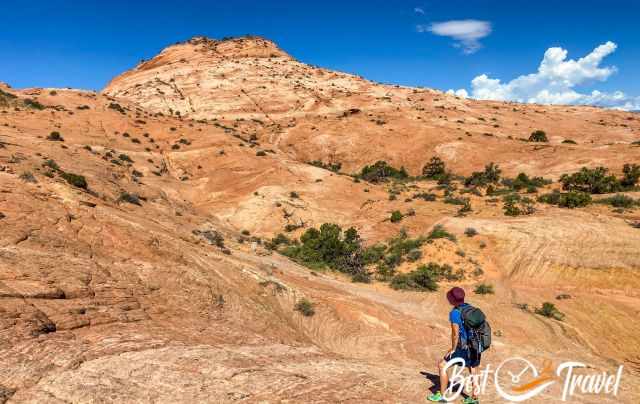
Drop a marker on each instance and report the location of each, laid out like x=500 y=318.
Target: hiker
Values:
x=466 y=343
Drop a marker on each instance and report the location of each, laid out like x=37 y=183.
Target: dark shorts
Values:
x=471 y=359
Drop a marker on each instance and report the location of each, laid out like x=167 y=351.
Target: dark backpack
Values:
x=477 y=328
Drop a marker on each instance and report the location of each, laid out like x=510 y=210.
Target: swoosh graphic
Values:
x=546 y=375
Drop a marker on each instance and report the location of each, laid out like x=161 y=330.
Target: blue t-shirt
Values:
x=455 y=317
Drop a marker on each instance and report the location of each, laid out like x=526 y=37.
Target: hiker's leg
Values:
x=444 y=377
x=475 y=383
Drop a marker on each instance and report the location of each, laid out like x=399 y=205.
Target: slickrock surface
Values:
x=142 y=287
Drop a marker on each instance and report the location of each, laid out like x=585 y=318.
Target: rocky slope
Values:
x=144 y=285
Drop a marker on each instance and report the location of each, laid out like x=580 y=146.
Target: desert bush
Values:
x=335 y=167
x=51 y=164
x=373 y=254
x=424 y=278
x=294 y=195
x=305 y=307
x=213 y=237
x=125 y=157
x=571 y=199
x=76 y=180
x=290 y=227
x=523 y=181
x=276 y=241
x=465 y=208
x=129 y=198
x=55 y=136
x=33 y=104
x=456 y=200
x=490 y=175
x=631 y=175
x=414 y=255
x=425 y=196
x=591 y=180
x=440 y=232
x=484 y=289
x=538 y=136
x=550 y=310
x=620 y=201
x=569 y=141
x=28 y=176
x=516 y=205
x=381 y=171
x=329 y=247
x=117 y=107
x=434 y=169
x=396 y=216
x=261 y=153
x=470 y=232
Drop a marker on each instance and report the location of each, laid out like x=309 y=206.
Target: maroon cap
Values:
x=456 y=296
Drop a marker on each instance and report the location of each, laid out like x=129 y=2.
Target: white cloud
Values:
x=555 y=80
x=418 y=10
x=467 y=33
x=462 y=93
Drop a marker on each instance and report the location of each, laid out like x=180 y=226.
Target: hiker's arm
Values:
x=455 y=329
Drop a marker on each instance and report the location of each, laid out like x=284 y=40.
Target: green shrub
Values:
x=429 y=197
x=465 y=208
x=591 y=181
x=484 y=289
x=620 y=201
x=490 y=175
x=523 y=181
x=421 y=279
x=425 y=277
x=55 y=137
x=33 y=104
x=550 y=310
x=305 y=307
x=76 y=180
x=571 y=200
x=381 y=171
x=396 y=216
x=126 y=158
x=28 y=176
x=117 y=107
x=434 y=169
x=129 y=198
x=276 y=241
x=414 y=255
x=538 y=136
x=373 y=254
x=440 y=232
x=51 y=164
x=516 y=205
x=470 y=232
x=631 y=175
x=330 y=248
x=335 y=167
x=213 y=237
x=456 y=200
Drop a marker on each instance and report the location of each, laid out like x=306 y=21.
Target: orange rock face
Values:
x=150 y=281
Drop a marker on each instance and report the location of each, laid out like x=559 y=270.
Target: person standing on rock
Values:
x=461 y=347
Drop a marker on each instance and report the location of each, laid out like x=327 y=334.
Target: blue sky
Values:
x=83 y=44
